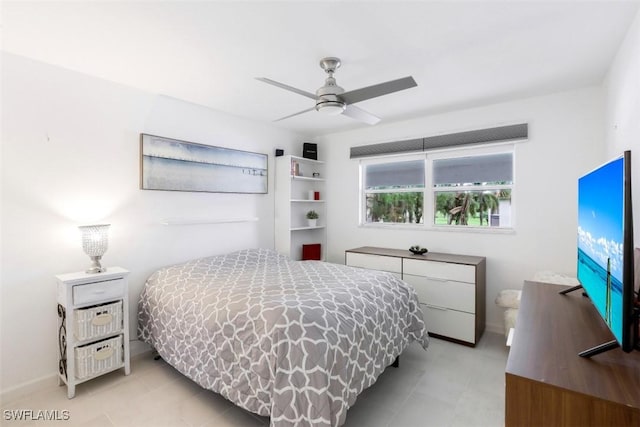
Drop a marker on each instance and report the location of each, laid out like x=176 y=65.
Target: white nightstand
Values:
x=93 y=325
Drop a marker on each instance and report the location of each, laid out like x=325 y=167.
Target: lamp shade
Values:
x=95 y=242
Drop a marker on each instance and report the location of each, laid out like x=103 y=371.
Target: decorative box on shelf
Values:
x=312 y=251
x=93 y=325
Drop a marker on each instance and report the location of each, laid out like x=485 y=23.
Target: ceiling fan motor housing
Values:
x=328 y=100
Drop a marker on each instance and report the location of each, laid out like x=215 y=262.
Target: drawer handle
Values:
x=102 y=319
x=437 y=279
x=99 y=291
x=103 y=353
x=435 y=307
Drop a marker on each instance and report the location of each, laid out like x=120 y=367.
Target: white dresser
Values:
x=450 y=288
x=93 y=325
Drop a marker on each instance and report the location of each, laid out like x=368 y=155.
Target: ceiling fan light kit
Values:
x=332 y=100
x=331 y=108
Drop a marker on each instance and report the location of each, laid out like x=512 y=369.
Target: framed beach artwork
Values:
x=174 y=165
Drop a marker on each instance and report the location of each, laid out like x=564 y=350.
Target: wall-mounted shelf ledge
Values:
x=307 y=228
x=306 y=178
x=197 y=221
x=306 y=201
x=305 y=160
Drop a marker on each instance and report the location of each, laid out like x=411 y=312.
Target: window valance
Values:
x=481 y=136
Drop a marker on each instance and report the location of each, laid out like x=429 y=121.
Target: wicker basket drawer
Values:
x=96 y=358
x=98 y=321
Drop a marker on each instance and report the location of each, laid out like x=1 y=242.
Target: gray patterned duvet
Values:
x=293 y=340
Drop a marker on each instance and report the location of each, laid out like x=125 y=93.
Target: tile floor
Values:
x=447 y=385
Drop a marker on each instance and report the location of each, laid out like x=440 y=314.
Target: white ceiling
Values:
x=461 y=54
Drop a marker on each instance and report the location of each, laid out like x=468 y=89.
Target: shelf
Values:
x=306 y=178
x=304 y=159
x=294 y=182
x=307 y=228
x=199 y=221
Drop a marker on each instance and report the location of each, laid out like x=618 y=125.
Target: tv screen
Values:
x=605 y=245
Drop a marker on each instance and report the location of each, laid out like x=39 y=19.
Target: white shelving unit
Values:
x=293 y=201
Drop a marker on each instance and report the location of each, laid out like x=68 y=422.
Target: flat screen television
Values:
x=605 y=264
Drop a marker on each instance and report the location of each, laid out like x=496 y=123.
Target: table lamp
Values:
x=95 y=241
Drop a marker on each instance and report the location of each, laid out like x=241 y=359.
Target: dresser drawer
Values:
x=450 y=323
x=98 y=291
x=440 y=270
x=444 y=293
x=375 y=262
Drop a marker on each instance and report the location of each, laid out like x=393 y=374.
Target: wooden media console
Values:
x=548 y=384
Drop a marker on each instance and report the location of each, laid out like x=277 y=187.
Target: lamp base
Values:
x=95 y=266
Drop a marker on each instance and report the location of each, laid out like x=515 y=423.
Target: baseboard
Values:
x=49 y=381
x=497 y=328
x=136 y=349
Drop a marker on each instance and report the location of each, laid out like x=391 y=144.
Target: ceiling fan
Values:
x=333 y=100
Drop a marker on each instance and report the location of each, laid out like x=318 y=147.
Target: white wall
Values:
x=622 y=111
x=565 y=140
x=70 y=156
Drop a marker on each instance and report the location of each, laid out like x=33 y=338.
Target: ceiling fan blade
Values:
x=295 y=114
x=360 y=115
x=380 y=89
x=287 y=87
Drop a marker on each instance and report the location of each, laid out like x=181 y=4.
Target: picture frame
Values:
x=174 y=165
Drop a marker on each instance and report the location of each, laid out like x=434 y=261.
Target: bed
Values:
x=293 y=340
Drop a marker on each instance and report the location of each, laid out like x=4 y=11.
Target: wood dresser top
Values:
x=551 y=330
x=429 y=256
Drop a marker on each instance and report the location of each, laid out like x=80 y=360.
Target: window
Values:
x=394 y=192
x=450 y=188
x=472 y=190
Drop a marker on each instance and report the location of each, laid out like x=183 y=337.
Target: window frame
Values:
x=429 y=213
x=362 y=217
x=429 y=191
